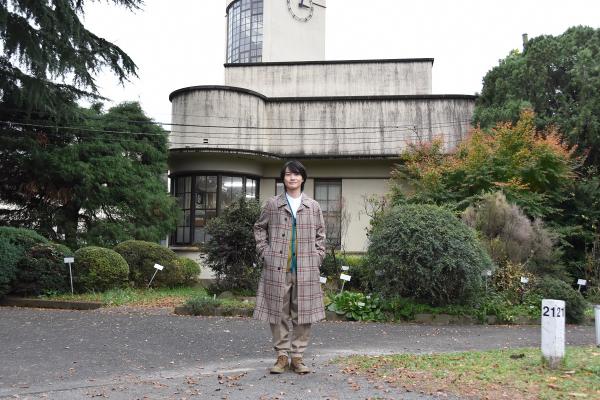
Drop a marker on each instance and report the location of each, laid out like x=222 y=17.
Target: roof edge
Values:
x=330 y=62
x=323 y=98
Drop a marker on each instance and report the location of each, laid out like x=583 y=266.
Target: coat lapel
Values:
x=282 y=202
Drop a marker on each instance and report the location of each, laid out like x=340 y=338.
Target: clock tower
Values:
x=260 y=31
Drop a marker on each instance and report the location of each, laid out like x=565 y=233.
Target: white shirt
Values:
x=294 y=203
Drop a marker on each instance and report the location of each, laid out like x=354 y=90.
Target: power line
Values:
x=337 y=141
x=411 y=128
x=397 y=125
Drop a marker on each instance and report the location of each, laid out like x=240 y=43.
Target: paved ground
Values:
x=120 y=354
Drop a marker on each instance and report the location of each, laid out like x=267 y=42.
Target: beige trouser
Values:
x=281 y=331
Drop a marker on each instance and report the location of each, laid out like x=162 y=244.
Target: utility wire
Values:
x=405 y=124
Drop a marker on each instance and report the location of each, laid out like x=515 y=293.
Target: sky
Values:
x=180 y=43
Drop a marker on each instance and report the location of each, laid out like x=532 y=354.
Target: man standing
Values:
x=290 y=238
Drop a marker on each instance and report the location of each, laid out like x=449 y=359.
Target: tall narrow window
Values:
x=206 y=205
x=329 y=195
x=183 y=195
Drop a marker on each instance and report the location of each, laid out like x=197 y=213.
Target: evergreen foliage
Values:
x=425 y=252
x=102 y=186
x=9 y=256
x=231 y=249
x=42 y=270
x=22 y=238
x=559 y=77
x=141 y=257
x=45 y=41
x=98 y=269
x=72 y=167
x=552 y=288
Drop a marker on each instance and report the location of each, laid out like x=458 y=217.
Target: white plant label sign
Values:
x=524 y=279
x=345 y=277
x=345 y=268
x=322 y=279
x=69 y=260
x=581 y=282
x=158 y=267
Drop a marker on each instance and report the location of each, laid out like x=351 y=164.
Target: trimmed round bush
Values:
x=99 y=269
x=9 y=256
x=187 y=271
x=41 y=269
x=23 y=238
x=555 y=289
x=425 y=252
x=141 y=257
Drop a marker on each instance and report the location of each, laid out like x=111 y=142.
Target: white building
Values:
x=346 y=121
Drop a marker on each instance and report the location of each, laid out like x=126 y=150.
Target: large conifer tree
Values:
x=75 y=174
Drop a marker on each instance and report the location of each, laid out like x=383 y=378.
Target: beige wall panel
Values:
x=354 y=192
x=267 y=189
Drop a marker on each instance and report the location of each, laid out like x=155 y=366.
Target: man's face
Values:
x=292 y=180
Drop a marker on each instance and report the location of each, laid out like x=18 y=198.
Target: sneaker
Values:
x=280 y=365
x=298 y=366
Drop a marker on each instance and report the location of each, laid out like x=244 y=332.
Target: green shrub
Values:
x=23 y=238
x=99 y=269
x=357 y=306
x=231 y=249
x=425 y=252
x=41 y=269
x=202 y=305
x=9 y=256
x=187 y=271
x=592 y=295
x=141 y=257
x=555 y=289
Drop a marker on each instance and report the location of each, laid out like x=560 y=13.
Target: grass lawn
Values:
x=136 y=297
x=515 y=374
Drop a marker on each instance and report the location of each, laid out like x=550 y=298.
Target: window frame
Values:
x=327 y=213
x=245 y=33
x=192 y=206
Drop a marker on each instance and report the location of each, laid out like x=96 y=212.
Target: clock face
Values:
x=301 y=10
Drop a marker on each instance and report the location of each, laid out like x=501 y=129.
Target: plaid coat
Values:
x=273 y=233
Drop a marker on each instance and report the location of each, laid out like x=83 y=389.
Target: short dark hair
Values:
x=296 y=167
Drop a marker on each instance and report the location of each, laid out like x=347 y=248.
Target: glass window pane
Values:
x=320 y=192
x=250 y=188
x=211 y=183
x=199 y=235
x=329 y=196
x=244 y=20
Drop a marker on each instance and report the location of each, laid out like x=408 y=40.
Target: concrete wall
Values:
x=334 y=78
x=286 y=39
x=228 y=118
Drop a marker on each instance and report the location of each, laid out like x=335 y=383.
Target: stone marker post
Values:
x=553 y=332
